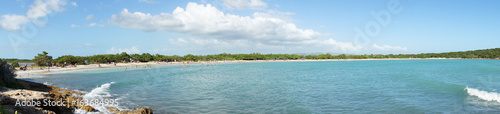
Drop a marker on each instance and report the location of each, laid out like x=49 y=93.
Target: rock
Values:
x=26 y=110
x=88 y=108
x=138 y=111
x=113 y=109
x=39 y=92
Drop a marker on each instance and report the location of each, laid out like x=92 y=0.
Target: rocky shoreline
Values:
x=37 y=92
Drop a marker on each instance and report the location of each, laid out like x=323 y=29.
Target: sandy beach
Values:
x=46 y=70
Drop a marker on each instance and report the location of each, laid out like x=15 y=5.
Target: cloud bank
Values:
x=208 y=21
x=216 y=29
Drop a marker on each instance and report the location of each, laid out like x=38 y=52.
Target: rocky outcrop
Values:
x=39 y=92
x=9 y=97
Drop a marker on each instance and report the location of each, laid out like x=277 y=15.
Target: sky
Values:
x=201 y=27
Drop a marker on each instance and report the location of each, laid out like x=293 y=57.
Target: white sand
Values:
x=36 y=72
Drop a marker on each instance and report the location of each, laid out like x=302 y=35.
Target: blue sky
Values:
x=82 y=27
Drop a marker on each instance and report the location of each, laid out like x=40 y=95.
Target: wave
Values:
x=101 y=92
x=47 y=83
x=485 y=95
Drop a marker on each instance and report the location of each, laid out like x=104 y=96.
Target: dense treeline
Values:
x=17 y=60
x=44 y=59
x=145 y=57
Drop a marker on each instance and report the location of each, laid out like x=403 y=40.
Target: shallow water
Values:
x=381 y=86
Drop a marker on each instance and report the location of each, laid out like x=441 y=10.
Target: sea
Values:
x=359 y=86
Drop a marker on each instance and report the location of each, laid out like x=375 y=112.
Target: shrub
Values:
x=15 y=64
x=7 y=76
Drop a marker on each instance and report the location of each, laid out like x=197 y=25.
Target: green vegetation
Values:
x=17 y=60
x=41 y=59
x=15 y=64
x=7 y=76
x=2 y=109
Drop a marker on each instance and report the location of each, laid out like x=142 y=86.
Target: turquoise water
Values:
x=380 y=86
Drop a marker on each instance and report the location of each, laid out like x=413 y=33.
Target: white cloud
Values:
x=89 y=17
x=271 y=14
x=388 y=48
x=74 y=26
x=74 y=4
x=215 y=30
x=131 y=50
x=342 y=46
x=147 y=1
x=13 y=22
x=39 y=8
x=207 y=21
x=245 y=4
x=145 y=22
x=181 y=40
x=95 y=25
x=92 y=24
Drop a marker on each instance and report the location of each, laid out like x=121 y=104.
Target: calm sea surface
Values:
x=380 y=86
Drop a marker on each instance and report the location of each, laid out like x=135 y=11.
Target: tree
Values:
x=69 y=59
x=43 y=59
x=342 y=56
x=145 y=57
x=329 y=56
x=15 y=64
x=189 y=57
x=124 y=56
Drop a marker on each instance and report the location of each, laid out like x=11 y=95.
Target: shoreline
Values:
x=36 y=72
x=64 y=93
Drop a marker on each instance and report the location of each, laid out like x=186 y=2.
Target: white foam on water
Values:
x=47 y=83
x=80 y=111
x=485 y=95
x=101 y=92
